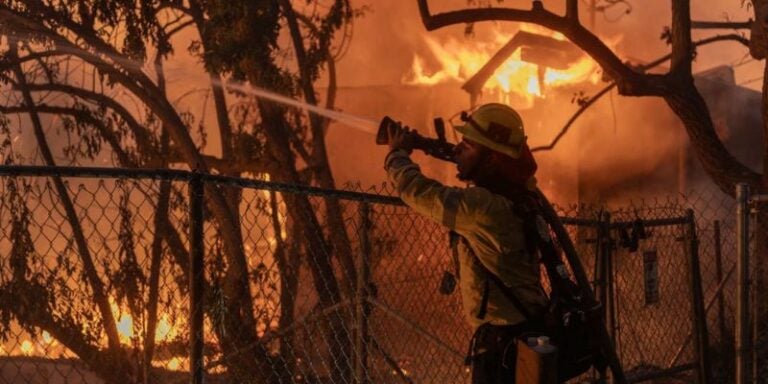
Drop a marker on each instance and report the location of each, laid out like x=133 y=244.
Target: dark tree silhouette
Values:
x=124 y=46
x=676 y=87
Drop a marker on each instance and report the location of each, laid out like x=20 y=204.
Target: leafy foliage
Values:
x=98 y=65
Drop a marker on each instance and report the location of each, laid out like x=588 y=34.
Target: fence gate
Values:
x=751 y=328
x=646 y=273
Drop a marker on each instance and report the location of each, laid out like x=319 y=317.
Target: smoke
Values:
x=617 y=142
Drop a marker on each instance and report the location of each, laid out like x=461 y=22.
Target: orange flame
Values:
x=27 y=348
x=460 y=60
x=164 y=329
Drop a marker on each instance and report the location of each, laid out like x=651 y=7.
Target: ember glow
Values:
x=515 y=80
x=27 y=348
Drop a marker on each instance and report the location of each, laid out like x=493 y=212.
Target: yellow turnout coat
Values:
x=492 y=232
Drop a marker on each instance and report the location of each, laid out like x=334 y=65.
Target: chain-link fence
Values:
x=751 y=326
x=153 y=277
x=644 y=263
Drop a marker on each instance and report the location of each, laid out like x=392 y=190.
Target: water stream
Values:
x=360 y=123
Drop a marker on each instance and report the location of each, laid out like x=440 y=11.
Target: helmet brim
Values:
x=471 y=132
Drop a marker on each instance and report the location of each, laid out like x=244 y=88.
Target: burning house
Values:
x=619 y=148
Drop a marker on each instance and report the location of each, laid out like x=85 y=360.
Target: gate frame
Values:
x=744 y=345
x=606 y=287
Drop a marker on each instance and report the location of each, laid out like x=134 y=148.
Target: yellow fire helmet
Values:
x=495 y=126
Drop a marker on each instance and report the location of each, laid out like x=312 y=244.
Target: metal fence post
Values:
x=196 y=253
x=361 y=307
x=599 y=267
x=742 y=275
x=756 y=286
x=699 y=314
x=608 y=293
x=722 y=329
x=760 y=248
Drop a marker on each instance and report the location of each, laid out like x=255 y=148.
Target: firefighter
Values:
x=487 y=232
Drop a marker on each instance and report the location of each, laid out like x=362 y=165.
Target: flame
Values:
x=125 y=328
x=26 y=347
x=539 y=30
x=174 y=364
x=583 y=70
x=165 y=330
x=460 y=60
x=47 y=338
x=124 y=322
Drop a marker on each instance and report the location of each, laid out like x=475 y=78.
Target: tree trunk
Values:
x=303 y=214
x=287 y=258
x=334 y=217
x=115 y=357
x=688 y=104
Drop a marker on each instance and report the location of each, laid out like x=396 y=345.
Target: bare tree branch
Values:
x=700 y=24
x=82 y=116
x=179 y=28
x=677 y=87
x=330 y=95
x=320 y=158
x=33 y=56
x=572 y=10
x=682 y=48
x=142 y=134
x=99 y=294
x=584 y=106
x=140 y=85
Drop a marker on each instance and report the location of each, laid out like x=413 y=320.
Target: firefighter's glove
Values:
x=400 y=138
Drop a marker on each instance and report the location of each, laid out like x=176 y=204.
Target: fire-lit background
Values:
x=414 y=75
x=621 y=151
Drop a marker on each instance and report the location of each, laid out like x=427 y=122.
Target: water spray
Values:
x=361 y=123
x=438 y=148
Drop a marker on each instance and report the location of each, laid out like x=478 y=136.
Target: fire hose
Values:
x=441 y=149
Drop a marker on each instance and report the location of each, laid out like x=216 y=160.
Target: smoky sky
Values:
x=617 y=138
x=386 y=38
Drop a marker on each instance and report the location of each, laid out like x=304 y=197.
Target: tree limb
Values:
x=90 y=37
x=83 y=116
x=99 y=294
x=584 y=106
x=338 y=234
x=604 y=91
x=330 y=95
x=700 y=24
x=682 y=48
x=139 y=84
x=572 y=10
x=179 y=28
x=142 y=134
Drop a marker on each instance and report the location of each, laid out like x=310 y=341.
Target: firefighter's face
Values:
x=468 y=155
